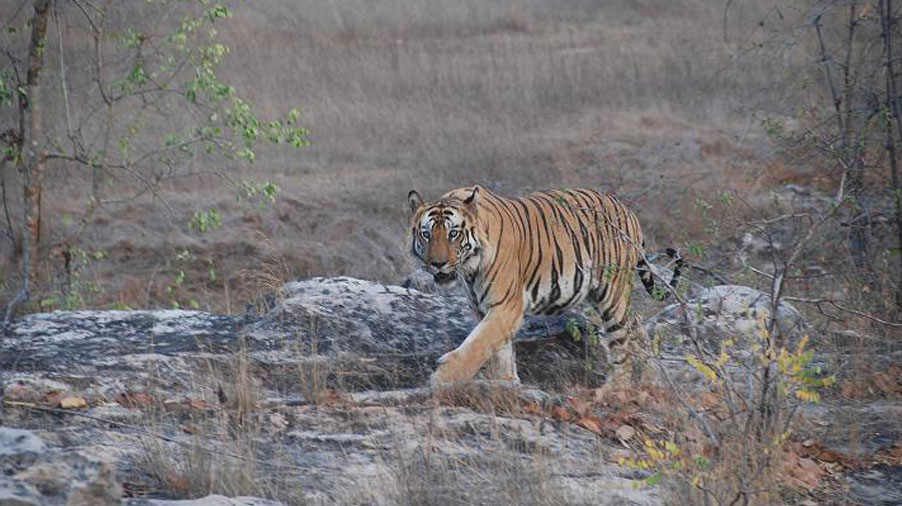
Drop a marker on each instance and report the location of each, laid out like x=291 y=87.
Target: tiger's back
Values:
x=568 y=246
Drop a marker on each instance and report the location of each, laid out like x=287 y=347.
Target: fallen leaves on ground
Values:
x=886 y=383
x=73 y=402
x=133 y=400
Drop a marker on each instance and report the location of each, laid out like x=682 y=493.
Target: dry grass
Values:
x=640 y=98
x=229 y=449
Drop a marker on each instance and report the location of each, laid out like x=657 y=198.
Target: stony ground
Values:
x=320 y=401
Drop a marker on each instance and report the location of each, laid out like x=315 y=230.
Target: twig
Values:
x=709 y=272
x=63 y=83
x=837 y=305
x=690 y=409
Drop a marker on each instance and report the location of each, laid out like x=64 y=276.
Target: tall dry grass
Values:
x=643 y=98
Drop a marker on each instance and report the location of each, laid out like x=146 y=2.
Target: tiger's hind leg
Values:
x=624 y=344
x=624 y=336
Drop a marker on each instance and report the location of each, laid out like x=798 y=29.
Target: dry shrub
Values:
x=226 y=451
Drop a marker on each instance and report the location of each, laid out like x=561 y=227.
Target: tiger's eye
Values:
x=425 y=234
x=453 y=234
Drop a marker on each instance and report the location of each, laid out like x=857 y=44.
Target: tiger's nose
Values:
x=438 y=265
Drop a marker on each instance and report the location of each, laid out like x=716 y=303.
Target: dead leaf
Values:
x=20 y=393
x=134 y=399
x=830 y=456
x=884 y=383
x=625 y=432
x=73 y=403
x=54 y=397
x=278 y=420
x=200 y=404
x=532 y=408
x=332 y=398
x=590 y=423
x=578 y=405
x=561 y=413
x=809 y=472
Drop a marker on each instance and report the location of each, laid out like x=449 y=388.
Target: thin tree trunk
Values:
x=851 y=152
x=34 y=136
x=892 y=106
x=31 y=158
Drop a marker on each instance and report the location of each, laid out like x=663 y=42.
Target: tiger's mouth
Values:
x=444 y=278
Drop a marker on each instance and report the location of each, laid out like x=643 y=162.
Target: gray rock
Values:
x=74 y=478
x=80 y=344
x=371 y=450
x=19 y=449
x=880 y=485
x=16 y=493
x=405 y=330
x=724 y=312
x=720 y=314
x=422 y=281
x=375 y=334
x=210 y=500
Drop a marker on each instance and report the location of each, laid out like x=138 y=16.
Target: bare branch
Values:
x=846 y=309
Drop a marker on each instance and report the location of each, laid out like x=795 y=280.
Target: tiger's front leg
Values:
x=494 y=332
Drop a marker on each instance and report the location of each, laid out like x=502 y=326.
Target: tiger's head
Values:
x=445 y=233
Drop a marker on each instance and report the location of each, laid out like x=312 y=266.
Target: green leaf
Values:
x=654 y=479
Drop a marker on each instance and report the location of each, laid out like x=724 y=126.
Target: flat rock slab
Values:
x=70 y=341
x=376 y=335
x=210 y=500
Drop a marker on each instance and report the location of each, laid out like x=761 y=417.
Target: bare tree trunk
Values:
x=32 y=157
x=892 y=106
x=34 y=135
x=850 y=150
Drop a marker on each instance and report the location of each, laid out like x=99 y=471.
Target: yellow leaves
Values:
x=808 y=396
x=671 y=448
x=723 y=359
x=800 y=348
x=709 y=373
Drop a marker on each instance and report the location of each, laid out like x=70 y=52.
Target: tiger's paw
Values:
x=452 y=369
x=447 y=357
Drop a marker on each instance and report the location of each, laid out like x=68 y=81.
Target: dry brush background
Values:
x=659 y=101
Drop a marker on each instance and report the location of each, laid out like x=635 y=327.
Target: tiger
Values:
x=540 y=254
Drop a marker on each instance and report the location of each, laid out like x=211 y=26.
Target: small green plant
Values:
x=205 y=221
x=183 y=258
x=262 y=192
x=76 y=292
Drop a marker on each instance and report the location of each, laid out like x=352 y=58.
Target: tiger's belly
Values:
x=549 y=293
x=557 y=294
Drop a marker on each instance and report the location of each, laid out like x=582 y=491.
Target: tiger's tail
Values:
x=648 y=277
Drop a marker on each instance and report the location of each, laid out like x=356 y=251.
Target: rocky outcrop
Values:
x=731 y=318
x=33 y=474
x=317 y=401
x=210 y=500
x=321 y=380
x=723 y=312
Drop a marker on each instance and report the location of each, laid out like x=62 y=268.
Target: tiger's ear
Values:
x=414 y=201
x=471 y=201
